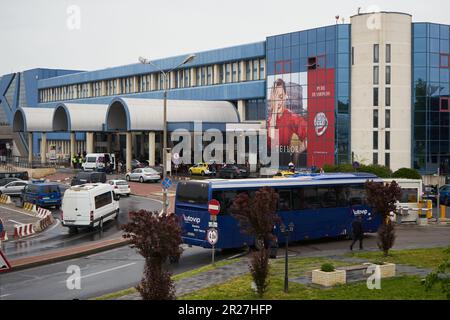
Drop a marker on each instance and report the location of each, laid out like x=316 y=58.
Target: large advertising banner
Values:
x=301 y=117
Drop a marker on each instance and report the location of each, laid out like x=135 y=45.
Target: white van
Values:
x=89 y=205
x=99 y=161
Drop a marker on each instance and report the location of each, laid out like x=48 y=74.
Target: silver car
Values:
x=143 y=175
x=14 y=188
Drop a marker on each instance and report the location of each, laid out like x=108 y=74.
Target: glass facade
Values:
x=313 y=67
x=431 y=74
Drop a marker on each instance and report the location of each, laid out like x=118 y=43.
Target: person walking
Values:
x=357 y=232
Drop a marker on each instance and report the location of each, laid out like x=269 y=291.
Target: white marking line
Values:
x=16 y=221
x=8 y=208
x=5 y=295
x=104 y=271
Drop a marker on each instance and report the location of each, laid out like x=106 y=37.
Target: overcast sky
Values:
x=89 y=35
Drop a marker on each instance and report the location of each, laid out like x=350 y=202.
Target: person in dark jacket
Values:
x=357 y=232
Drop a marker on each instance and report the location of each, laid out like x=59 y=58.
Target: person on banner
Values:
x=291 y=126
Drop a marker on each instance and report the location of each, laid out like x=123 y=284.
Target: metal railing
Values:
x=9 y=163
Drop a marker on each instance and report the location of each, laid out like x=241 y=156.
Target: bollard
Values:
x=443 y=218
x=429 y=209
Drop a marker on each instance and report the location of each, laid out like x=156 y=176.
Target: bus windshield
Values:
x=192 y=192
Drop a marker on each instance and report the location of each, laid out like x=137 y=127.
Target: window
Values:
x=305 y=198
x=376 y=53
x=353 y=56
x=375 y=97
x=284 y=200
x=228 y=73
x=210 y=75
x=375 y=118
x=388 y=97
x=248 y=70
x=376 y=74
x=388 y=74
x=443 y=104
x=387 y=142
x=255 y=69
x=327 y=197
x=262 y=67
x=356 y=195
x=444 y=61
x=388 y=53
x=234 y=72
x=103 y=199
x=375 y=140
x=387 y=122
x=375 y=158
x=192 y=192
x=387 y=159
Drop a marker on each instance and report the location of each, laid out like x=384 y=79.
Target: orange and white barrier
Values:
x=5 y=199
x=23 y=230
x=29 y=207
x=44 y=223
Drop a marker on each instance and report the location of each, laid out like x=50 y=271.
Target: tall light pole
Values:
x=165 y=149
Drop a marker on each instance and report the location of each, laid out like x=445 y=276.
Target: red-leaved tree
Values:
x=156 y=237
x=257 y=217
x=382 y=198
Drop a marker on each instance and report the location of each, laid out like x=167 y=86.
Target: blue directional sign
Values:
x=1 y=226
x=166 y=183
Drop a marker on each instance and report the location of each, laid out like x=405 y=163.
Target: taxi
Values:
x=284 y=174
x=200 y=169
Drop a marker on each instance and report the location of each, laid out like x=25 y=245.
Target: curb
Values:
x=62 y=255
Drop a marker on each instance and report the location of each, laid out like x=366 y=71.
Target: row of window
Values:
x=387 y=97
x=303 y=198
x=376 y=53
x=387 y=118
x=376 y=75
x=238 y=71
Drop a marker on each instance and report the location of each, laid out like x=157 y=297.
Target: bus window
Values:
x=327 y=197
x=357 y=195
x=192 y=192
x=341 y=197
x=284 y=200
x=409 y=195
x=305 y=198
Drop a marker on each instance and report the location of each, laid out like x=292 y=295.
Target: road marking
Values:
x=14 y=210
x=5 y=295
x=104 y=271
x=16 y=221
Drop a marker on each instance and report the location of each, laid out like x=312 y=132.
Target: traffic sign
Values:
x=213 y=207
x=1 y=226
x=166 y=183
x=212 y=224
x=213 y=236
x=176 y=156
x=4 y=264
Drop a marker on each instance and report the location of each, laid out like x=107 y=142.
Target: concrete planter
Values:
x=387 y=270
x=328 y=279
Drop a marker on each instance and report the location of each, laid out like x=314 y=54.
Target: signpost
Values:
x=212 y=234
x=4 y=264
x=166 y=183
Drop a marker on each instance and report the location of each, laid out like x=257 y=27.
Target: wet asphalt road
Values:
x=58 y=237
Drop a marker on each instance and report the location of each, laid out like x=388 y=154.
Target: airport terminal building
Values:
x=375 y=90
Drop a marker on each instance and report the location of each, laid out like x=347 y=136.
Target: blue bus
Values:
x=319 y=206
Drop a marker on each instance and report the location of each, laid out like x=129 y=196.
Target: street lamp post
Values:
x=165 y=149
x=285 y=231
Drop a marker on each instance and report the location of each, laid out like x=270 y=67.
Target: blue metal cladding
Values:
x=247 y=51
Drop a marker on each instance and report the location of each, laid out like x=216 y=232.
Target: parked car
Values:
x=200 y=168
x=232 y=171
x=89 y=205
x=120 y=187
x=5 y=181
x=136 y=164
x=88 y=177
x=284 y=174
x=15 y=174
x=14 y=188
x=430 y=193
x=42 y=194
x=143 y=175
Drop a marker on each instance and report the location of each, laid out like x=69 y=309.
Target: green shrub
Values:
x=380 y=171
x=406 y=173
x=327 y=267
